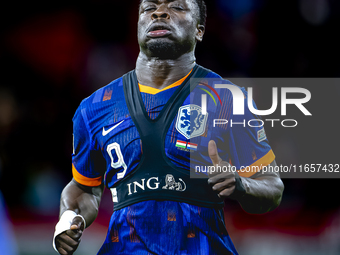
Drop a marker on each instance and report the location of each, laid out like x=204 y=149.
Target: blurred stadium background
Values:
x=53 y=56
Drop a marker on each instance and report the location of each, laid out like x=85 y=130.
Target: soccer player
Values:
x=140 y=135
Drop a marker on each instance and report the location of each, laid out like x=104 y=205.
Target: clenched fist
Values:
x=67 y=242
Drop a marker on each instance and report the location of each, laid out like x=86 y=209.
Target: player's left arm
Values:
x=259 y=194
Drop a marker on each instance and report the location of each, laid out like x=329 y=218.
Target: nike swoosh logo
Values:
x=105 y=132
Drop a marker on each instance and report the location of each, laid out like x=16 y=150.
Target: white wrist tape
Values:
x=65 y=224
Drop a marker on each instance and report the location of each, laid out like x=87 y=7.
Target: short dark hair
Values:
x=202 y=11
x=202 y=8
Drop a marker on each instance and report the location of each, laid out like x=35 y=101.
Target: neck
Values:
x=160 y=73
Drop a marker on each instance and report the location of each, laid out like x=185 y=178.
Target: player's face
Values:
x=168 y=27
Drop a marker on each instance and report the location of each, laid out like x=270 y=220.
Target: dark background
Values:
x=53 y=56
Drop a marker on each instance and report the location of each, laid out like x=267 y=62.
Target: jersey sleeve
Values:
x=86 y=158
x=249 y=147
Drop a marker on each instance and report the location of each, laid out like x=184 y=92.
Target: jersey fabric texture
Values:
x=107 y=148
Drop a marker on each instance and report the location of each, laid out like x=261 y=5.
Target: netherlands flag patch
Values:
x=192 y=146
x=186 y=145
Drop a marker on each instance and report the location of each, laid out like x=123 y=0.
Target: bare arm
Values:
x=259 y=194
x=263 y=193
x=82 y=200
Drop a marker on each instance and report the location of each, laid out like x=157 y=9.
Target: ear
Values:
x=200 y=32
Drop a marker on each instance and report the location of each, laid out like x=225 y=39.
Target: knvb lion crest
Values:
x=190 y=121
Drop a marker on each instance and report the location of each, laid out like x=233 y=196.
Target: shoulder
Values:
x=101 y=103
x=103 y=97
x=104 y=94
x=215 y=78
x=220 y=86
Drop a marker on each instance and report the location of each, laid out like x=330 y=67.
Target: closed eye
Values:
x=178 y=8
x=150 y=9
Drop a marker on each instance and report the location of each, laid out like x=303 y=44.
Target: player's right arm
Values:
x=81 y=197
x=84 y=201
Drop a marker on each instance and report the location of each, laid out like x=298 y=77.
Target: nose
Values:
x=161 y=12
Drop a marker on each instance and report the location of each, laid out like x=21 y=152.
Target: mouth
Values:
x=158 y=31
